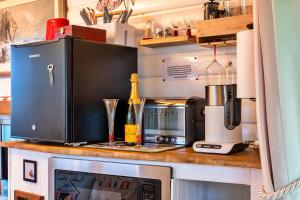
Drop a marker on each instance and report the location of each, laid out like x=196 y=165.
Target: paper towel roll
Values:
x=245 y=65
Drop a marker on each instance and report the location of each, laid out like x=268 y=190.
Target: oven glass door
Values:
x=76 y=179
x=164 y=121
x=88 y=186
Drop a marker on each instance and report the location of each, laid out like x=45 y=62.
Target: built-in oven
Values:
x=94 y=180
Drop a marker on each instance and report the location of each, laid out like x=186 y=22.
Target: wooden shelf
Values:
x=5 y=107
x=168 y=41
x=223 y=27
x=222 y=31
x=4 y=74
x=218 y=44
x=216 y=32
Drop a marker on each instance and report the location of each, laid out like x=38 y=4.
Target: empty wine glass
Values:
x=111 y=105
x=215 y=72
x=230 y=70
x=138 y=111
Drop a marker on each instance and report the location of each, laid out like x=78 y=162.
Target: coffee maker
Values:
x=223 y=130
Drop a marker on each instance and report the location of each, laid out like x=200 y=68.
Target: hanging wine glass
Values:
x=111 y=105
x=230 y=70
x=214 y=71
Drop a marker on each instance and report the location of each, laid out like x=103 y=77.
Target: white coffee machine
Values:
x=223 y=129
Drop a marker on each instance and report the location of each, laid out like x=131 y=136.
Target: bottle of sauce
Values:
x=130 y=126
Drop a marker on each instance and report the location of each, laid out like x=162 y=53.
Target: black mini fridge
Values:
x=58 y=89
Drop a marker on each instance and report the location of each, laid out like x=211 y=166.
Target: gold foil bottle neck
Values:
x=134 y=94
x=134 y=77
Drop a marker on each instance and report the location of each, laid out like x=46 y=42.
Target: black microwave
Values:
x=58 y=87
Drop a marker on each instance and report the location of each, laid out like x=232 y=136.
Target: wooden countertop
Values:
x=245 y=159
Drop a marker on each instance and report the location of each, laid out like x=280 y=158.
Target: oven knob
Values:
x=166 y=139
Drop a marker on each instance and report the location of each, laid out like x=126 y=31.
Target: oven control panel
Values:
x=149 y=189
x=161 y=139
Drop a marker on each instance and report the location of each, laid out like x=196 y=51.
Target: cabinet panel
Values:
x=198 y=190
x=16 y=158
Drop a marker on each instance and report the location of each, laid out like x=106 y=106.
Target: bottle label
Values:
x=130 y=133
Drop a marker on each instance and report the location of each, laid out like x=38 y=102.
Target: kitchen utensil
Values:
x=138 y=110
x=53 y=24
x=85 y=18
x=92 y=15
x=124 y=17
x=107 y=17
x=111 y=105
x=211 y=10
x=128 y=15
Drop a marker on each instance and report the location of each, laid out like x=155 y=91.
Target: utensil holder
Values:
x=118 y=33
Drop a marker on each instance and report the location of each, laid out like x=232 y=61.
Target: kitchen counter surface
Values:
x=245 y=159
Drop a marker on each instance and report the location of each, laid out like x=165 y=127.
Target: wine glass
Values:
x=214 y=71
x=138 y=111
x=111 y=105
x=230 y=70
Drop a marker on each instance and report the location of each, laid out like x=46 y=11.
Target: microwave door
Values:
x=165 y=121
x=39 y=81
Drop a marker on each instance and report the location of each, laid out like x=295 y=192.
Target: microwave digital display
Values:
x=88 y=186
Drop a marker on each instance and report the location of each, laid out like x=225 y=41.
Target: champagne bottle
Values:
x=130 y=126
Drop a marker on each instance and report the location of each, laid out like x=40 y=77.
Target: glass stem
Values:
x=215 y=52
x=138 y=135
